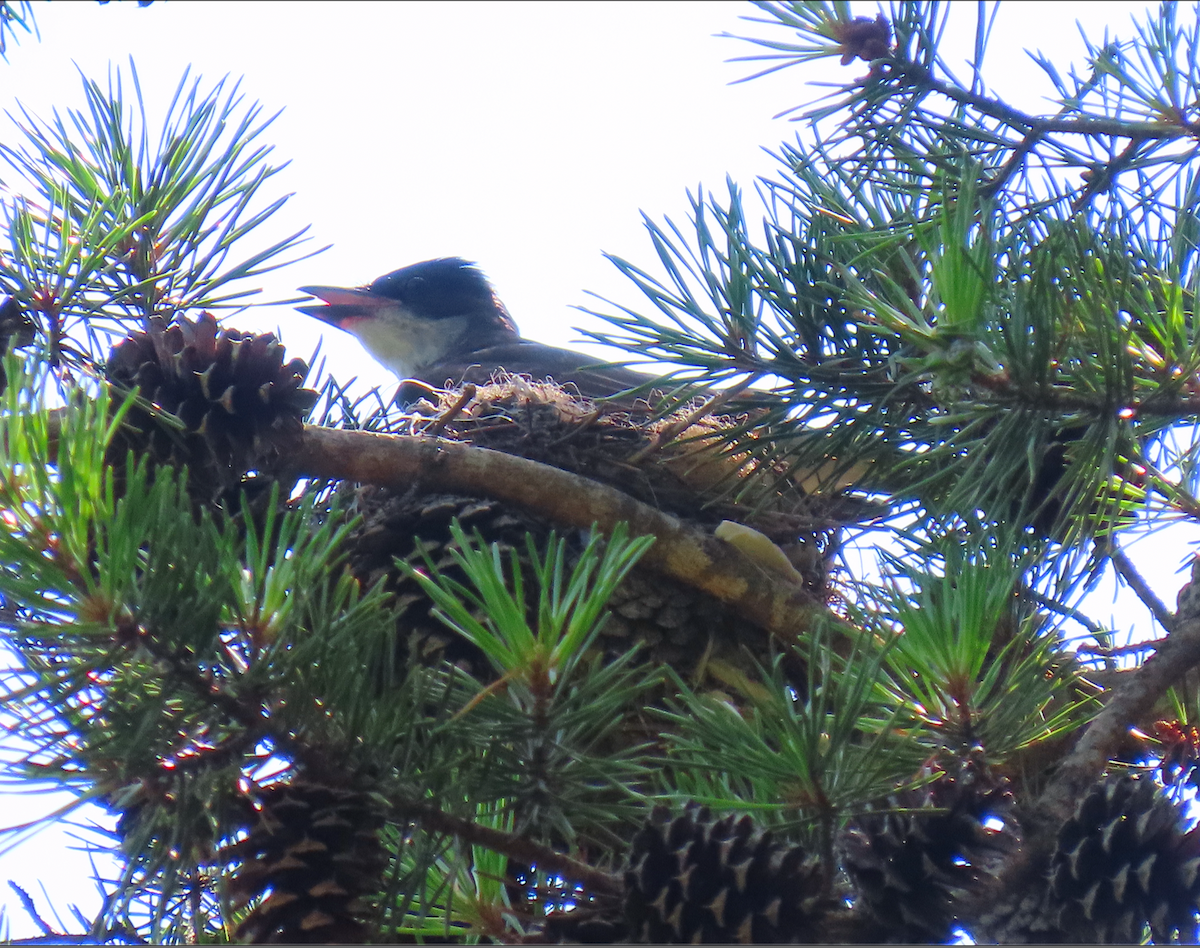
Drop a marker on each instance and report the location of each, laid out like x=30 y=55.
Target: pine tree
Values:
x=511 y=666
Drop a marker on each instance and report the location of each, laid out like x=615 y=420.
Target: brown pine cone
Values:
x=313 y=858
x=695 y=880
x=240 y=405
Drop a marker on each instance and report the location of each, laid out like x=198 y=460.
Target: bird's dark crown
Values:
x=440 y=289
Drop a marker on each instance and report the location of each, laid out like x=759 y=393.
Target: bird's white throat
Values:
x=406 y=345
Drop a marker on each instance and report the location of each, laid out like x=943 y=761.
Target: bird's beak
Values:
x=343 y=305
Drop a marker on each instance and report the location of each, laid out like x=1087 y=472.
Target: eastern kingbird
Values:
x=440 y=322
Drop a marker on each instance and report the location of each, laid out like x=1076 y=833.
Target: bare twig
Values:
x=580 y=426
x=1010 y=167
x=511 y=845
x=915 y=74
x=439 y=423
x=1129 y=573
x=1102 y=177
x=1070 y=612
x=1117 y=650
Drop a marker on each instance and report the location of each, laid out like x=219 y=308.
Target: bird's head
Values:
x=417 y=317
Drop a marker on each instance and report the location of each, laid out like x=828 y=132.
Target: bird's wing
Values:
x=523 y=357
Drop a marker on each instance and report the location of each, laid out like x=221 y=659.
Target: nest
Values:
x=675 y=464
x=680 y=463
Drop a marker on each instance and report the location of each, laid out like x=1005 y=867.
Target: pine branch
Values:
x=1130 y=701
x=1125 y=568
x=509 y=844
x=914 y=75
x=681 y=551
x=906 y=312
x=693 y=558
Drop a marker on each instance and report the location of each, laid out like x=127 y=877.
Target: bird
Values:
x=439 y=322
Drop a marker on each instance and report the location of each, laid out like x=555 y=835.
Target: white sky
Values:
x=525 y=136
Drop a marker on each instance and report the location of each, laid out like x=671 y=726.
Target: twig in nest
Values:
x=439 y=423
x=581 y=425
x=668 y=433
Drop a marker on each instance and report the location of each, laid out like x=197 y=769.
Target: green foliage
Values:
x=814 y=753
x=560 y=708
x=567 y=618
x=14 y=16
x=163 y=656
x=114 y=228
x=983 y=317
x=987 y=316
x=968 y=668
x=932 y=309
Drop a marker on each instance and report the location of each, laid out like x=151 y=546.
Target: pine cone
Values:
x=862 y=37
x=411 y=526
x=678 y=626
x=312 y=857
x=1123 y=862
x=913 y=863
x=573 y=915
x=241 y=406
x=691 y=880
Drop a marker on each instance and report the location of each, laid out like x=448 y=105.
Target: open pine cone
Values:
x=913 y=861
x=239 y=405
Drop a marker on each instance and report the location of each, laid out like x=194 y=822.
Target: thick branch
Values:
x=680 y=551
x=1129 y=702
